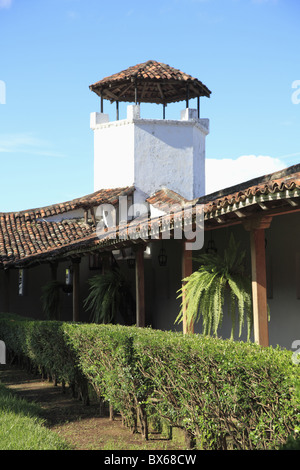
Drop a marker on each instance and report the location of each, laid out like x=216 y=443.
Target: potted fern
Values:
x=218 y=278
x=109 y=295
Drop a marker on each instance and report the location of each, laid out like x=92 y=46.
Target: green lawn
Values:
x=22 y=428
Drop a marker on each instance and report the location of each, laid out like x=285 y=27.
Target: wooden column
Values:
x=106 y=266
x=187 y=269
x=53 y=267
x=76 y=288
x=6 y=306
x=140 y=286
x=259 y=279
x=259 y=287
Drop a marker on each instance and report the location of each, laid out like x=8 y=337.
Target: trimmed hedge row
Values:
x=224 y=394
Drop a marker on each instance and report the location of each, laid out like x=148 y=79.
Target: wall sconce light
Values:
x=22 y=282
x=162 y=257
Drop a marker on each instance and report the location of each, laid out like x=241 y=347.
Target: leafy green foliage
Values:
x=106 y=357
x=22 y=428
x=223 y=393
x=39 y=345
x=206 y=290
x=109 y=295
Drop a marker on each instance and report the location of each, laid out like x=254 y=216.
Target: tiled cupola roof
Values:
x=150 y=82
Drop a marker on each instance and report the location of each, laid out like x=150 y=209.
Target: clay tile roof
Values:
x=164 y=198
x=28 y=234
x=278 y=182
x=102 y=196
x=155 y=82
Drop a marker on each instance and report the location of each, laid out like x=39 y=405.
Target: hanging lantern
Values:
x=131 y=260
x=162 y=257
x=211 y=247
x=95 y=261
x=68 y=285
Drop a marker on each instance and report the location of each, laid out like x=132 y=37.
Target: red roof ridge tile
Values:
x=92 y=199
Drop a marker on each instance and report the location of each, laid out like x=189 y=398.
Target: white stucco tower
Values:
x=150 y=153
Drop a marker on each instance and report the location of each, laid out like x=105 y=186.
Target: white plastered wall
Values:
x=150 y=153
x=113 y=152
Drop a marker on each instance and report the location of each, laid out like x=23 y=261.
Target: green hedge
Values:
x=224 y=394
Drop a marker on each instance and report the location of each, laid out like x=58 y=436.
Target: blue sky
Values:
x=245 y=51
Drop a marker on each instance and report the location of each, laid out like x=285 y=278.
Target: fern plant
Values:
x=218 y=278
x=109 y=295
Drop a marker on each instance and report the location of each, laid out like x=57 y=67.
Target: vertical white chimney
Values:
x=150 y=153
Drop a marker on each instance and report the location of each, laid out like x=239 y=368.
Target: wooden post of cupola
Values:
x=257 y=227
x=140 y=286
x=187 y=270
x=187 y=95
x=76 y=288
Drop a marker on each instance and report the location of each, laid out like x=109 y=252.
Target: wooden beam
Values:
x=263 y=206
x=160 y=92
x=259 y=287
x=143 y=91
x=187 y=269
x=140 y=286
x=123 y=91
x=240 y=214
x=194 y=90
x=76 y=287
x=257 y=222
x=292 y=202
x=110 y=95
x=93 y=215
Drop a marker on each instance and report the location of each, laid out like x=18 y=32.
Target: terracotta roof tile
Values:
x=155 y=82
x=166 y=197
x=276 y=185
x=28 y=233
